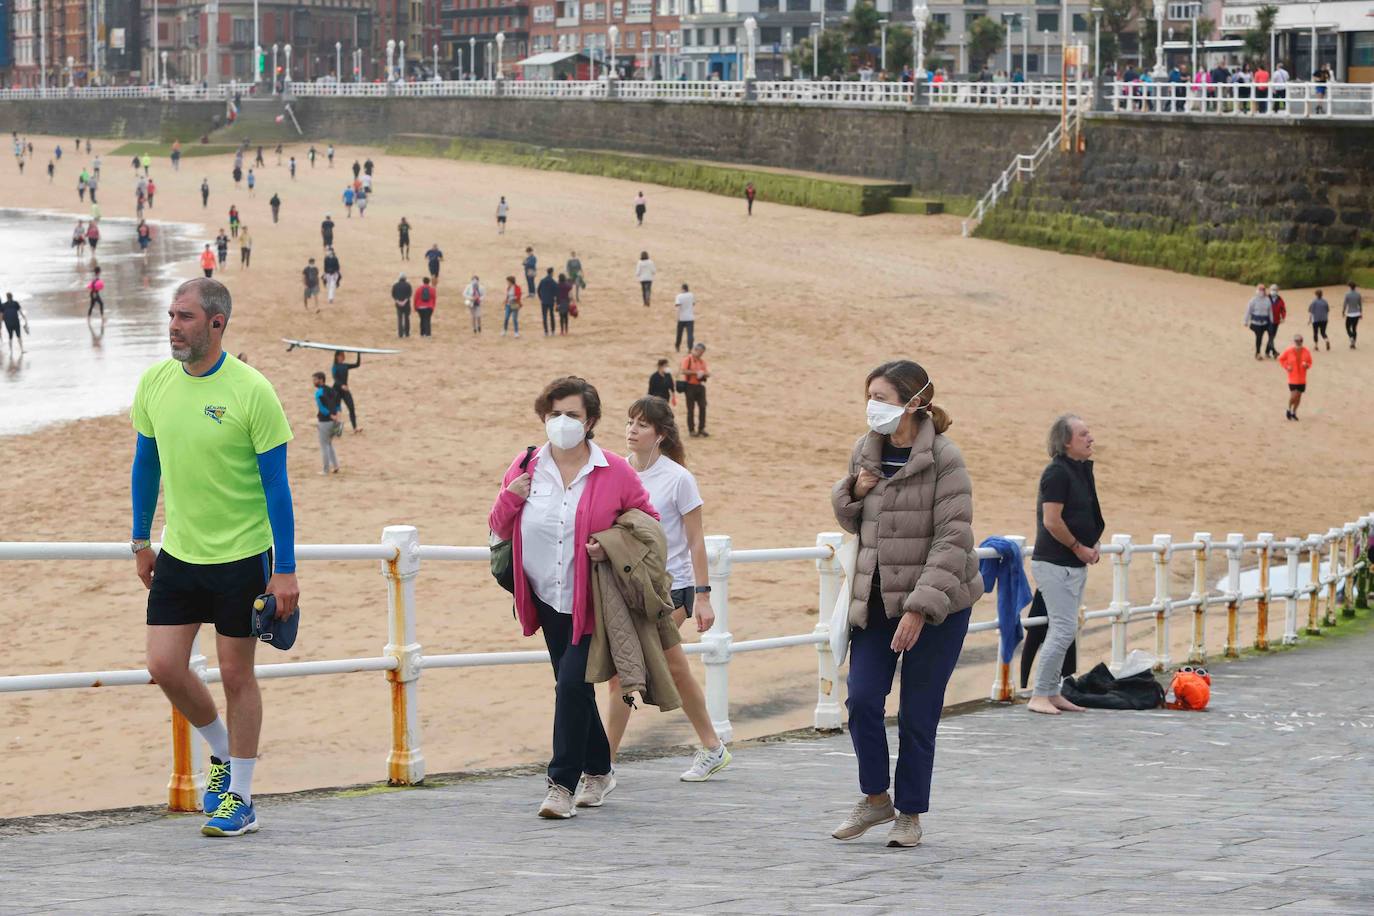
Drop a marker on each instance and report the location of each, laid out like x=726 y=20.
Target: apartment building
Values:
x=647 y=46
x=470 y=28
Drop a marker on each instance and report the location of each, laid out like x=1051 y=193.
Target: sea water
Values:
x=74 y=366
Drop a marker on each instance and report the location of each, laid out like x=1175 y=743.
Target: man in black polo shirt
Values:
x=1068 y=525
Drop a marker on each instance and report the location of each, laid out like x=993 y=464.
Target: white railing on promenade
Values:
x=553 y=89
x=1354 y=101
x=680 y=90
x=833 y=92
x=1038 y=95
x=1332 y=562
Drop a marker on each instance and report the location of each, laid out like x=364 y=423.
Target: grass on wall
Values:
x=160 y=150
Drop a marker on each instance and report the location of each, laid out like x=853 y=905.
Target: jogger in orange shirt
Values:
x=1297 y=359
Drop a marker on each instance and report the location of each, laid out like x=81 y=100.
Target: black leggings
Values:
x=245 y=255
x=346 y=398
x=1319 y=331
x=1352 y=323
x=563 y=321
x=645 y=288
x=1259 y=330
x=1269 y=348
x=96 y=300
x=425 y=315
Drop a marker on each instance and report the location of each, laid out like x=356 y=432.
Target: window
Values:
x=799 y=6
x=732 y=39
x=1362 y=49
x=901 y=6
x=768 y=6
x=971 y=18
x=543 y=14
x=800 y=33
x=1080 y=22
x=943 y=19
x=1047 y=22
x=243 y=31
x=642 y=10
x=770 y=35
x=834 y=6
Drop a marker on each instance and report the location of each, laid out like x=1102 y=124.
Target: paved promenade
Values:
x=1265 y=802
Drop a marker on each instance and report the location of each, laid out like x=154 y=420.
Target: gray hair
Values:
x=1061 y=432
x=213 y=296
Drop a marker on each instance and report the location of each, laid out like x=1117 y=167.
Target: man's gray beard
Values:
x=189 y=354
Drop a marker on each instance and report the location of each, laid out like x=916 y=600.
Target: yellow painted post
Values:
x=405 y=764
x=1333 y=550
x=1314 y=583
x=181 y=788
x=1262 y=615
x=1161 y=564
x=1198 y=653
x=1234 y=545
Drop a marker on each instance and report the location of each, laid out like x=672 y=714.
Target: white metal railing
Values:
x=1332 y=561
x=1041 y=94
x=832 y=92
x=556 y=89
x=1245 y=100
x=680 y=90
x=178 y=93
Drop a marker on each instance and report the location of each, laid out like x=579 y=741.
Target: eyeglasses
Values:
x=1193 y=669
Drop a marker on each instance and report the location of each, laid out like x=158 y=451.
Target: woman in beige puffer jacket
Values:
x=909 y=499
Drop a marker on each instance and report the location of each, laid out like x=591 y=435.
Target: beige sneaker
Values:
x=558 y=803
x=862 y=817
x=906 y=832
x=594 y=789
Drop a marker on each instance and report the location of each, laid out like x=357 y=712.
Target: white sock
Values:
x=217 y=736
x=241 y=777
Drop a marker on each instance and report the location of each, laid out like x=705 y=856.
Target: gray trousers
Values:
x=326 y=431
x=1062 y=588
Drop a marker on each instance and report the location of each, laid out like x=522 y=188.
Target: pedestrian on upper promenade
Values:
x=550 y=503
x=661 y=383
x=275 y=204
x=644 y=273
x=1278 y=313
x=641 y=205
x=1318 y=312
x=914 y=586
x=472 y=296
x=1352 y=309
x=750 y=193
x=531 y=268
x=212 y=431
x=655 y=451
x=1068 y=526
x=1296 y=360
x=695 y=373
x=1258 y=313
x=686 y=304
x=502 y=211
x=400 y=297
x=426 y=298
x=548 y=298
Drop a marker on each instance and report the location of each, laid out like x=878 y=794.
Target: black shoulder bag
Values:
x=501 y=552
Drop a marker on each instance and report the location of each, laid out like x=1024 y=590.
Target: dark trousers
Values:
x=96 y=302
x=696 y=407
x=1319 y=331
x=346 y=398
x=1259 y=330
x=1352 y=325
x=563 y=321
x=645 y=288
x=403 y=321
x=579 y=740
x=1269 y=349
x=529 y=283
x=547 y=315
x=926 y=669
x=425 y=315
x=691 y=328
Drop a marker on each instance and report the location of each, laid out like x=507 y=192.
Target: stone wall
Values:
x=125 y=118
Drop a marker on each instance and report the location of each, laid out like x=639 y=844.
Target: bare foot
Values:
x=1042 y=705
x=1061 y=703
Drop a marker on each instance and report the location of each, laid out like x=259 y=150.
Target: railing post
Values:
x=1314 y=583
x=718 y=639
x=1198 y=653
x=1332 y=541
x=1003 y=691
x=828 y=676
x=405 y=765
x=1290 y=604
x=1234 y=545
x=188 y=756
x=1266 y=539
x=1161 y=598
x=1121 y=604
x=1348 y=609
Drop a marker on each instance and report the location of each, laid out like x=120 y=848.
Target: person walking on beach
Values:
x=348 y=201
x=79 y=239
x=361 y=196
x=51 y=169
x=237 y=176
x=661 y=383
x=329 y=154
x=207 y=261
x=234 y=220
x=356 y=169
x=326 y=422
x=749 y=195
x=434 y=259
x=1296 y=360
x=310 y=154
x=292 y=166
x=327 y=230
x=212 y=432
x=204 y=193
x=176 y=156
x=82 y=184
x=257 y=159
x=222 y=248
x=13 y=313
x=403 y=236
x=1258 y=313
x=502 y=211
x=332 y=273
x=548 y=298
x=1068 y=526
x=908 y=499
x=561 y=494
x=695 y=372
x=275 y=204
x=641 y=205
x=644 y=273
x=367 y=168
x=92 y=183
x=472 y=295
x=513 y=303
x=1352 y=309
x=426 y=298
x=145 y=236
x=576 y=276
x=1318 y=312
x=278 y=152
x=93 y=236
x=245 y=248
x=147 y=163
x=686 y=304
x=342 y=393
x=1278 y=313
x=95 y=288
x=531 y=267
x=655 y=451
x=400 y=297
x=563 y=301
x=152 y=189
x=252 y=183
x=311 y=277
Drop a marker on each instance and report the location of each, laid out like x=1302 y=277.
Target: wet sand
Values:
x=795 y=307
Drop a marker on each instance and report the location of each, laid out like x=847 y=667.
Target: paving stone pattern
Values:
x=1261 y=803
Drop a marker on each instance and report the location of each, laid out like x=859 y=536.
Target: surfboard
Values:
x=316 y=345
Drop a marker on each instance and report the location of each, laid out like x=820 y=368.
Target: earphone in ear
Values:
x=216 y=324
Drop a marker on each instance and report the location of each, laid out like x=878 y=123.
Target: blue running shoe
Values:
x=216 y=785
x=232 y=818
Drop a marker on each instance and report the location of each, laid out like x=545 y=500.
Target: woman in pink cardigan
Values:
x=569 y=489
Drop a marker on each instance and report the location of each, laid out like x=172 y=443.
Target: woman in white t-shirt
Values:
x=654 y=449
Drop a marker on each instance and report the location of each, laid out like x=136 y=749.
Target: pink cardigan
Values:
x=610 y=491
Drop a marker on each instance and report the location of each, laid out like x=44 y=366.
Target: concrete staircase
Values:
x=257 y=123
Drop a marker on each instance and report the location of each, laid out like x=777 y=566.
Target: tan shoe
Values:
x=862 y=817
x=558 y=804
x=594 y=789
x=906 y=831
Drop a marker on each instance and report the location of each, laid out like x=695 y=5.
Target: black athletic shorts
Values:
x=685 y=598
x=218 y=593
x=1298 y=388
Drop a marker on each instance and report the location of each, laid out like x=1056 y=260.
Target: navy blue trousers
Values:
x=926 y=669
x=579 y=740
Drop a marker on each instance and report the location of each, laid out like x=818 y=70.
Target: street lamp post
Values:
x=460 y=61
x=1008 y=20
x=71 y=73
x=501 y=53
x=1159 y=72
x=472 y=57
x=1045 y=51
x=882 y=45
x=613 y=34
x=401 y=60
x=164 y=67
x=816 y=49
x=920 y=15
x=1097 y=41
x=274 y=68
x=436 y=64
x=286 y=83
x=338 y=61
x=257 y=44
x=1315 y=5
x=751 y=28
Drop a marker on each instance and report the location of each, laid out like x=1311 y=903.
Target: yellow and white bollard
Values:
x=1197 y=655
x=1161 y=600
x=1235 y=544
x=405 y=764
x=1262 y=611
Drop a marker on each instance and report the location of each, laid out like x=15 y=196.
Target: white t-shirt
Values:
x=673 y=491
x=686 y=307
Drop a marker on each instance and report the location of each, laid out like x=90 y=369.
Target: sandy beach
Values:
x=795 y=307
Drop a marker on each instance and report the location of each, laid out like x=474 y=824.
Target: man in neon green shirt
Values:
x=212 y=430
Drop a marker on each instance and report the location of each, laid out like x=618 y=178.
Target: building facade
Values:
x=647 y=44
x=469 y=30
x=1344 y=31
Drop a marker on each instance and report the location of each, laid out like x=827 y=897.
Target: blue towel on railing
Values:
x=1013 y=592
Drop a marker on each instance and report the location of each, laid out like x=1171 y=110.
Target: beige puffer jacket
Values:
x=917 y=527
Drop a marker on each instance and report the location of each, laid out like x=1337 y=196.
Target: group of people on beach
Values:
x=1266 y=310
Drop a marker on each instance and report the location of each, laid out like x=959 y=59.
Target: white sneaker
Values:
x=592 y=791
x=706 y=764
x=558 y=804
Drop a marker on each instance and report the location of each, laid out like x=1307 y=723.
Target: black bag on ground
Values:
x=1099 y=690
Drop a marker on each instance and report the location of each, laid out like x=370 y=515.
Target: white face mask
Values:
x=884 y=418
x=565 y=432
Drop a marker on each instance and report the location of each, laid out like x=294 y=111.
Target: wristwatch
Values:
x=138 y=544
x=702 y=590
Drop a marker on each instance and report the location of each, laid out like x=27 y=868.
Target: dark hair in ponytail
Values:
x=909 y=379
x=658 y=414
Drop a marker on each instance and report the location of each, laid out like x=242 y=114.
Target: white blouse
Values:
x=547 y=525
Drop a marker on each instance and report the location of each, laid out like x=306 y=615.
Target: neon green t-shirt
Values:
x=209 y=431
